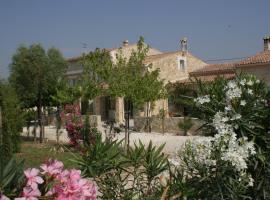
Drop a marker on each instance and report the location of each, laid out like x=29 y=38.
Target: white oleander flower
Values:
x=243 y=82
x=257 y=81
x=231 y=84
x=233 y=91
x=203 y=99
x=236 y=116
x=251 y=182
x=249 y=91
x=250 y=83
x=228 y=108
x=243 y=102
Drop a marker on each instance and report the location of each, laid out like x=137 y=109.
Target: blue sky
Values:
x=215 y=28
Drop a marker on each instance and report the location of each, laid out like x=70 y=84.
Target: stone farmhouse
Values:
x=174 y=66
x=258 y=64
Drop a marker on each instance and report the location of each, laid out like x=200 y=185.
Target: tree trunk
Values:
x=148 y=125
x=58 y=124
x=39 y=110
x=126 y=135
x=127 y=117
x=1 y=128
x=129 y=112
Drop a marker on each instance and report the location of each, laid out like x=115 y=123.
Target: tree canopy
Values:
x=35 y=75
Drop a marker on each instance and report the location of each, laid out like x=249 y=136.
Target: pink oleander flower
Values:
x=29 y=194
x=74 y=174
x=72 y=186
x=88 y=189
x=3 y=197
x=32 y=178
x=52 y=168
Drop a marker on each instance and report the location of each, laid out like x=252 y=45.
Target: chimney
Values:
x=183 y=43
x=266 y=43
x=125 y=43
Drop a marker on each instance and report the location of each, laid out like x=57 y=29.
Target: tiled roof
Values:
x=215 y=69
x=260 y=58
x=210 y=78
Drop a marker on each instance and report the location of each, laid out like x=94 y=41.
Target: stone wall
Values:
x=260 y=71
x=170 y=125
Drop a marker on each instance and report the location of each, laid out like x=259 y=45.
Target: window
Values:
x=182 y=63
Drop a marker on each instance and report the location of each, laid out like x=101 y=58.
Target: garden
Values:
x=231 y=159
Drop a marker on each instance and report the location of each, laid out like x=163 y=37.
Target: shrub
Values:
x=134 y=175
x=11 y=177
x=243 y=105
x=71 y=116
x=11 y=121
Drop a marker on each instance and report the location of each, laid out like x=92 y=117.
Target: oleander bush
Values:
x=120 y=175
x=240 y=108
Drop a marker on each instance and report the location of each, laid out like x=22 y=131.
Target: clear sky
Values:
x=215 y=28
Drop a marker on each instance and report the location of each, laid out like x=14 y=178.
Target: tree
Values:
x=97 y=66
x=11 y=121
x=135 y=82
x=35 y=74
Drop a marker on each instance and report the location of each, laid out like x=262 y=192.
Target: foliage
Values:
x=134 y=81
x=11 y=177
x=243 y=104
x=35 y=75
x=185 y=125
x=100 y=157
x=97 y=66
x=181 y=95
x=124 y=176
x=66 y=94
x=12 y=121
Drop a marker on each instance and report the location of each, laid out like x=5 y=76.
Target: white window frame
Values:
x=178 y=63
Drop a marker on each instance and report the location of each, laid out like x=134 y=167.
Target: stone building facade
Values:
x=258 y=65
x=174 y=66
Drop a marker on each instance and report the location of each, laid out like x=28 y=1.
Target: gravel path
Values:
x=172 y=142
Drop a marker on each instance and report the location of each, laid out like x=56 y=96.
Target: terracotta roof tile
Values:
x=225 y=68
x=215 y=69
x=210 y=78
x=260 y=58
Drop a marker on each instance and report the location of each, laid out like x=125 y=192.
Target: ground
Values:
x=34 y=154
x=172 y=146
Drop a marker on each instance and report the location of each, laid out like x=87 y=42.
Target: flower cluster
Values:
x=202 y=99
x=225 y=148
x=59 y=183
x=73 y=123
x=233 y=90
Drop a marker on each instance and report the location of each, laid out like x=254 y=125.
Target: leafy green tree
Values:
x=136 y=83
x=11 y=121
x=97 y=66
x=35 y=74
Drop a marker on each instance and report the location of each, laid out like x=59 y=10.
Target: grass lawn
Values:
x=35 y=154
